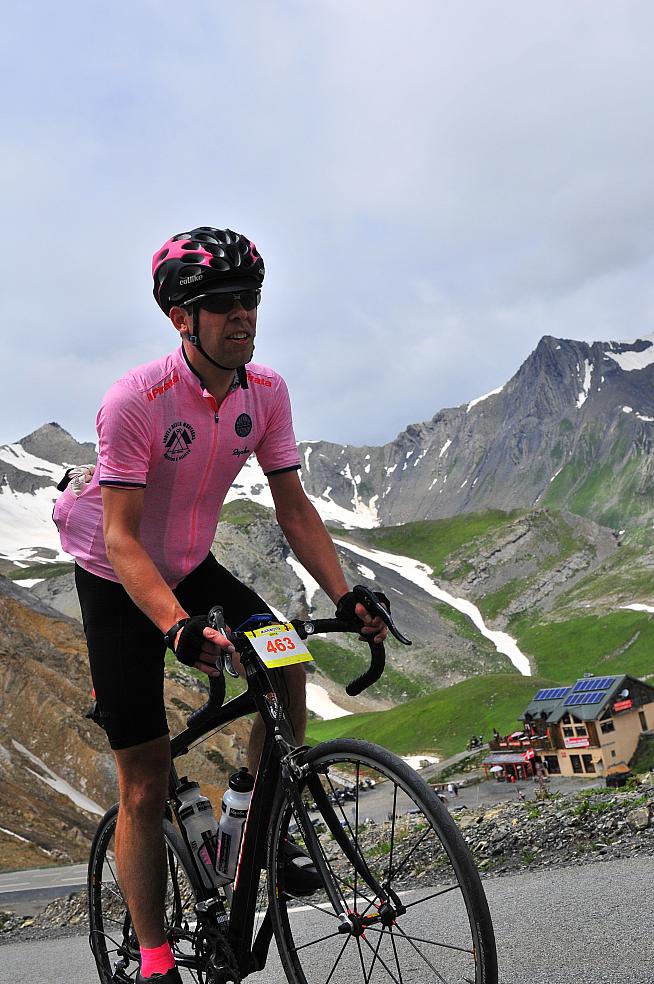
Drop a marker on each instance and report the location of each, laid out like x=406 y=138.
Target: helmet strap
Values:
x=194 y=339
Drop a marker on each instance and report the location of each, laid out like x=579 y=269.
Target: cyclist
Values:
x=173 y=434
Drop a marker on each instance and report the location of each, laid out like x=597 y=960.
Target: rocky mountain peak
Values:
x=52 y=443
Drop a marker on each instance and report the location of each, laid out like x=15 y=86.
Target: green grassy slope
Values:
x=443 y=721
x=621 y=642
x=432 y=541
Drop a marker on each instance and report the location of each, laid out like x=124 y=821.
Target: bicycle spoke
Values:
x=390 y=859
x=397 y=962
x=356 y=834
x=363 y=966
x=331 y=973
x=419 y=939
x=421 y=954
x=324 y=908
x=428 y=898
x=415 y=847
x=321 y=939
x=382 y=962
x=372 y=965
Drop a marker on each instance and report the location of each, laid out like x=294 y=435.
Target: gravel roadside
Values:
x=551 y=831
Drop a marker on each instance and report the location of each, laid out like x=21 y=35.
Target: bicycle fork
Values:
x=390 y=905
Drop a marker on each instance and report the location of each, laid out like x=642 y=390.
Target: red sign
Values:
x=579 y=742
x=623 y=705
x=529 y=754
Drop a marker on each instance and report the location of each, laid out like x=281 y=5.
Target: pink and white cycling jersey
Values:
x=159 y=429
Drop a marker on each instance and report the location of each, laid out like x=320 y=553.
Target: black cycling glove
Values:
x=348 y=602
x=189 y=647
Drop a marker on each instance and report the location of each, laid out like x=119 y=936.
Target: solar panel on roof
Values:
x=551 y=693
x=593 y=683
x=575 y=700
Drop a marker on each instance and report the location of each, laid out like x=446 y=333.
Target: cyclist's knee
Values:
x=143 y=777
x=143 y=798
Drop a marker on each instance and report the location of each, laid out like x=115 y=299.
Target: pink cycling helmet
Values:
x=204 y=261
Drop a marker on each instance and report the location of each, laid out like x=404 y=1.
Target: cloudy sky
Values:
x=433 y=186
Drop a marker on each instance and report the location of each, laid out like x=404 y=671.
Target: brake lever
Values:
x=374 y=606
x=216 y=619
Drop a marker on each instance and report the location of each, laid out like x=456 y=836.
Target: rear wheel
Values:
x=112 y=937
x=440 y=931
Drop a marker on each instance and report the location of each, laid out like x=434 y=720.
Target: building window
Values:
x=607 y=726
x=568 y=732
x=589 y=765
x=576 y=764
x=581 y=732
x=552 y=765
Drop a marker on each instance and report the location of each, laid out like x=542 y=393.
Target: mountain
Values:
x=56 y=771
x=572 y=428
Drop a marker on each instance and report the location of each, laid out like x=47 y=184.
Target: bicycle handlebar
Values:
x=306 y=628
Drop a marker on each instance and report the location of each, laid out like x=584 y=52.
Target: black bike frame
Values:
x=252 y=859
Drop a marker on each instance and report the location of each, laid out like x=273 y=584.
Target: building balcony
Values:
x=511 y=743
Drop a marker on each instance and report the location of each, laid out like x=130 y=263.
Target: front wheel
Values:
x=112 y=937
x=379 y=822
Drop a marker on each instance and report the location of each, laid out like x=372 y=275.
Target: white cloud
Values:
x=432 y=191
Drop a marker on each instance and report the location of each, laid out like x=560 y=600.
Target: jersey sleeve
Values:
x=124 y=439
x=277 y=450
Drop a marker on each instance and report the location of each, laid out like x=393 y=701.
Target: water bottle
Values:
x=196 y=813
x=236 y=802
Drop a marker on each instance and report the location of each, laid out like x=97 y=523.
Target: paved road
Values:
x=28 y=891
x=577 y=925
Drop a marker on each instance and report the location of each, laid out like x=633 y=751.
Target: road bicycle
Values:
x=401 y=900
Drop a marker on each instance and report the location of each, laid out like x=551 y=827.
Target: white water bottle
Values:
x=236 y=802
x=196 y=813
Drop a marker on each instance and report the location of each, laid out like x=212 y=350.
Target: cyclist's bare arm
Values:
x=122 y=511
x=312 y=544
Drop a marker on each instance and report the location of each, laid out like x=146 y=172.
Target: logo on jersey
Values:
x=156 y=391
x=239 y=452
x=177 y=440
x=243 y=424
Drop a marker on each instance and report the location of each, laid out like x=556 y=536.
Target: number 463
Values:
x=280 y=645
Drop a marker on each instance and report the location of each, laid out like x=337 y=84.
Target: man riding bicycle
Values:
x=173 y=435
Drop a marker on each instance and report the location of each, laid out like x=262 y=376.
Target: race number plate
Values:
x=279 y=645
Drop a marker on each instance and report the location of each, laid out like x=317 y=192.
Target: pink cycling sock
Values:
x=158 y=960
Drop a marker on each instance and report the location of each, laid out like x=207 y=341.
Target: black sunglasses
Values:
x=222 y=303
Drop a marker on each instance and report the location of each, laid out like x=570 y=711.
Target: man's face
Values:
x=229 y=338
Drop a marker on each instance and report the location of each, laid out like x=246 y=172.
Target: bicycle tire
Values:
x=111 y=934
x=421 y=855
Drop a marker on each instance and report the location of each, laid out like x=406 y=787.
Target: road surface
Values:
x=576 y=925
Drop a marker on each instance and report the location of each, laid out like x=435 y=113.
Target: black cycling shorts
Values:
x=126 y=649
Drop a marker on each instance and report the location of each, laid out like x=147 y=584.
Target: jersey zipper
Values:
x=205 y=481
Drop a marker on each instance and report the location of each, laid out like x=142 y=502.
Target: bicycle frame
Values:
x=278 y=742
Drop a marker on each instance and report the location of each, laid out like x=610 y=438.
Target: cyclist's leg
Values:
x=211 y=584
x=143 y=784
x=126 y=653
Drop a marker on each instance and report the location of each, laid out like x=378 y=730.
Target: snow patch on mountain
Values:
x=420 y=575
x=251 y=483
x=309 y=583
x=26 y=527
x=15 y=454
x=479 y=399
x=631 y=360
x=55 y=782
x=585 y=386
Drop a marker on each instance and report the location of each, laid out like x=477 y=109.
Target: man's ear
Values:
x=181 y=320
